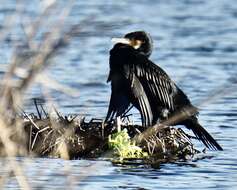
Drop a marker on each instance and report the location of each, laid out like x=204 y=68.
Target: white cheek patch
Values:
x=137 y=44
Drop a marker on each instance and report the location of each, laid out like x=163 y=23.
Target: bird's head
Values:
x=139 y=40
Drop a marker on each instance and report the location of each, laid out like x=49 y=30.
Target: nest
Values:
x=72 y=137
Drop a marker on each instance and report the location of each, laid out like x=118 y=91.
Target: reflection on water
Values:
x=194 y=41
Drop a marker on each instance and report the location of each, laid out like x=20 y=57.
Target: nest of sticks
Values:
x=72 y=137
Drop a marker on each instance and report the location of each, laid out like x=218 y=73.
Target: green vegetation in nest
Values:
x=124 y=147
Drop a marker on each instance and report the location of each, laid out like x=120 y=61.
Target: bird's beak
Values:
x=134 y=43
x=121 y=40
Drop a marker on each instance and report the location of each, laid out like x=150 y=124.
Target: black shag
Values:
x=137 y=81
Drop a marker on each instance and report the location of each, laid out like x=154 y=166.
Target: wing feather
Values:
x=159 y=85
x=141 y=101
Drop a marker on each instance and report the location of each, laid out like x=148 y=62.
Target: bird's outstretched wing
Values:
x=131 y=92
x=140 y=100
x=126 y=86
x=118 y=104
x=159 y=89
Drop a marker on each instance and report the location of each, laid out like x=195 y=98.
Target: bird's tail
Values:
x=202 y=134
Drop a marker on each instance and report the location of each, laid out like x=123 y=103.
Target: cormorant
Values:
x=138 y=81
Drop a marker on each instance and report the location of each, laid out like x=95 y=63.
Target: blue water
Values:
x=195 y=41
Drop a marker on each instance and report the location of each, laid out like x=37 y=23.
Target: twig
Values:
x=31 y=120
x=40 y=131
x=37 y=109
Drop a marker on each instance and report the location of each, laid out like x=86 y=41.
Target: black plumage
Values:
x=138 y=81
